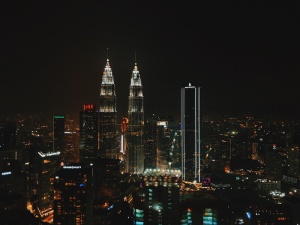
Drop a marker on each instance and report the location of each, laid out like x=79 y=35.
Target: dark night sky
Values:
x=244 y=54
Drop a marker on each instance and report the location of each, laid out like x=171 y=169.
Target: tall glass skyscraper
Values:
x=190 y=137
x=108 y=116
x=73 y=202
x=8 y=131
x=59 y=135
x=135 y=143
x=88 y=134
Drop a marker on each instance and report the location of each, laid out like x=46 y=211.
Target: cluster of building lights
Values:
x=176 y=173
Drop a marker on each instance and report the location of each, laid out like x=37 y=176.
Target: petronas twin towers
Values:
x=107 y=130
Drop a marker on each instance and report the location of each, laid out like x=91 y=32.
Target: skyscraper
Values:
x=150 y=146
x=158 y=200
x=135 y=143
x=8 y=142
x=46 y=166
x=108 y=115
x=7 y=135
x=58 y=135
x=190 y=128
x=107 y=183
x=123 y=143
x=88 y=134
x=73 y=202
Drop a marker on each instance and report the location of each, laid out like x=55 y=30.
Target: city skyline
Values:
x=243 y=55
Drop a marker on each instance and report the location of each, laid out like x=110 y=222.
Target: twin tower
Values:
x=110 y=142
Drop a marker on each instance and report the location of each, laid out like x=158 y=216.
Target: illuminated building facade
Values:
x=7 y=135
x=73 y=195
x=72 y=138
x=273 y=163
x=11 y=179
x=12 y=192
x=163 y=145
x=270 y=214
x=107 y=182
x=174 y=156
x=135 y=143
x=294 y=164
x=157 y=201
x=59 y=135
x=123 y=143
x=47 y=166
x=190 y=136
x=108 y=116
x=151 y=142
x=88 y=134
x=158 y=143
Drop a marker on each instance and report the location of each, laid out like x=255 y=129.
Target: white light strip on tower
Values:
x=48 y=154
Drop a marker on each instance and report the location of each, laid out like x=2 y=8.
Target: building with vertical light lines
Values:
x=107 y=131
x=135 y=143
x=190 y=137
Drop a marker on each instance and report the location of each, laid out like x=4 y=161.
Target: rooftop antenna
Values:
x=107 y=53
x=135 y=58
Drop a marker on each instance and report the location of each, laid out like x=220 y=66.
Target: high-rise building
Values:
x=46 y=166
x=107 y=182
x=7 y=135
x=175 y=151
x=135 y=143
x=58 y=135
x=12 y=179
x=12 y=192
x=163 y=144
x=157 y=200
x=150 y=146
x=72 y=139
x=73 y=195
x=123 y=143
x=273 y=162
x=108 y=116
x=8 y=145
x=294 y=163
x=88 y=134
x=190 y=128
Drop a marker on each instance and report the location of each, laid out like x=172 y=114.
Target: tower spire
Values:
x=135 y=64
x=107 y=58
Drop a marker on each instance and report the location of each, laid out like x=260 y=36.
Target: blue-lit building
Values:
x=157 y=200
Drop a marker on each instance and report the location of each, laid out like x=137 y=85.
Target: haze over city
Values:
x=129 y=112
x=244 y=55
